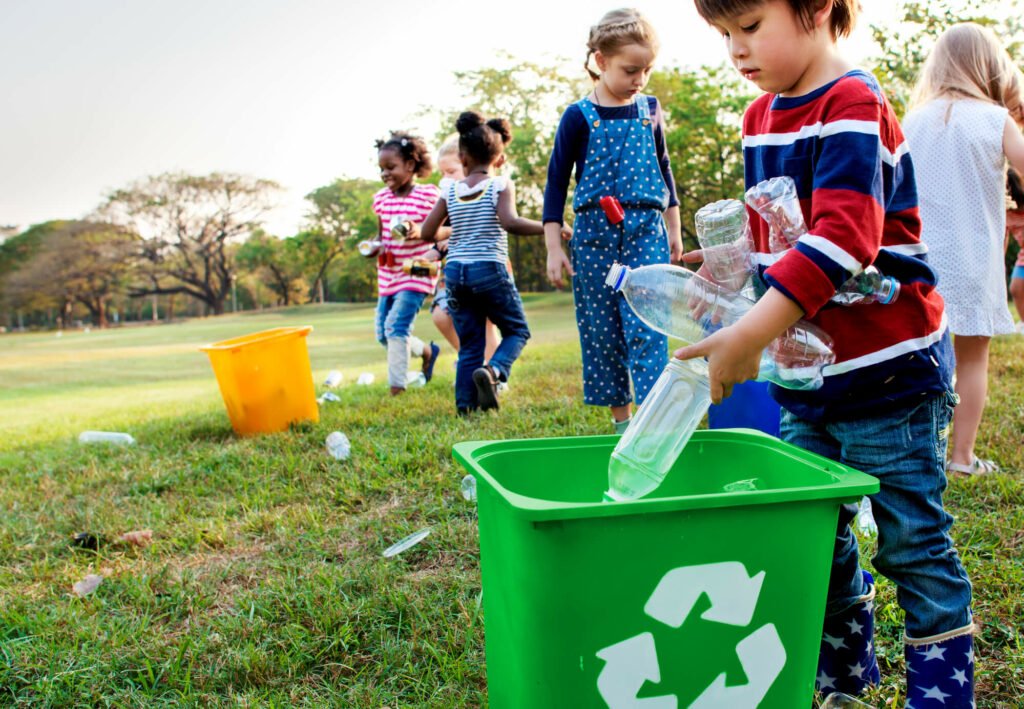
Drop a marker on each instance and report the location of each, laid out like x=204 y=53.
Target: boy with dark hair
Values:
x=886 y=403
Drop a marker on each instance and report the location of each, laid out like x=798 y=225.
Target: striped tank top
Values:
x=476 y=232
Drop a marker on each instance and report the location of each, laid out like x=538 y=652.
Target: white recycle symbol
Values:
x=632 y=662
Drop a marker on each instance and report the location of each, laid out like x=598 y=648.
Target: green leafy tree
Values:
x=278 y=263
x=905 y=44
x=188 y=224
x=703 y=115
x=341 y=215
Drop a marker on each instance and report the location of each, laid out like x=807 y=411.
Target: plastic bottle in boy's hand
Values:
x=777 y=202
x=681 y=304
x=659 y=431
x=725 y=242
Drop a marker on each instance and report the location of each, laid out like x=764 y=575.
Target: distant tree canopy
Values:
x=200 y=237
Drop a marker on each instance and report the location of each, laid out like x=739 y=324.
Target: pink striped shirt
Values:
x=414 y=207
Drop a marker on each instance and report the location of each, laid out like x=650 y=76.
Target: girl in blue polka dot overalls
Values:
x=615 y=139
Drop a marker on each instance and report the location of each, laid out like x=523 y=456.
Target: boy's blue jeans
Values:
x=480 y=291
x=395 y=314
x=905 y=449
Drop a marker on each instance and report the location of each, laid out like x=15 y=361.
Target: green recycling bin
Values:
x=710 y=592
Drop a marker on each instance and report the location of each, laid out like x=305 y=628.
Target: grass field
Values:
x=264 y=585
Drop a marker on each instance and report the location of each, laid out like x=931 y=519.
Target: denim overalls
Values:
x=622 y=162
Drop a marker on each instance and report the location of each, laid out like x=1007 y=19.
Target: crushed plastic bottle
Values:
x=333 y=379
x=838 y=700
x=365 y=379
x=866 y=518
x=681 y=304
x=327 y=396
x=415 y=378
x=468 y=488
x=776 y=201
x=724 y=239
x=114 y=437
x=659 y=430
x=406 y=543
x=338 y=445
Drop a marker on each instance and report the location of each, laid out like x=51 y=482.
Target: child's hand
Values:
x=731 y=360
x=557 y=262
x=432 y=255
x=675 y=248
x=693 y=256
x=1015 y=224
x=566 y=232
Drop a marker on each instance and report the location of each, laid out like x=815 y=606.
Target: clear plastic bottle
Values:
x=338 y=445
x=681 y=304
x=659 y=430
x=415 y=378
x=121 y=439
x=725 y=242
x=777 y=202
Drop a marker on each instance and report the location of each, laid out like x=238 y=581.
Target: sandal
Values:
x=978 y=466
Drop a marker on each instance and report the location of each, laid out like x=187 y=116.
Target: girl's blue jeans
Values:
x=479 y=291
x=395 y=314
x=905 y=449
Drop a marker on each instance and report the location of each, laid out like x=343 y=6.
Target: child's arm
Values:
x=431 y=229
x=1013 y=145
x=557 y=260
x=675 y=233
x=509 y=217
x=734 y=353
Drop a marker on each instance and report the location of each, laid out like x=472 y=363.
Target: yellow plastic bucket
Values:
x=265 y=379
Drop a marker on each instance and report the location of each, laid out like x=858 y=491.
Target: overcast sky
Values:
x=97 y=93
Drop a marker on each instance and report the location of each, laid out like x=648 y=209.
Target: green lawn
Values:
x=264 y=585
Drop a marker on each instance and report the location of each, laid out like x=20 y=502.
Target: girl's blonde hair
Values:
x=968 y=61
x=450 y=146
x=616 y=30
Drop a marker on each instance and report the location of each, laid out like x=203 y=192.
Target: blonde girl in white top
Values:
x=964 y=125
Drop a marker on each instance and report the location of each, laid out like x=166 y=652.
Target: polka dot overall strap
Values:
x=622 y=161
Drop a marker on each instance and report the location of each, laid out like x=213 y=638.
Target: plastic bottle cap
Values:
x=616 y=276
x=891 y=292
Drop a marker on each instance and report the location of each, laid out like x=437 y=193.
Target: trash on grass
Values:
x=138 y=538
x=333 y=379
x=338 y=445
x=468 y=486
x=415 y=378
x=866 y=518
x=407 y=543
x=327 y=396
x=365 y=378
x=86 y=540
x=838 y=700
x=121 y=439
x=87 y=585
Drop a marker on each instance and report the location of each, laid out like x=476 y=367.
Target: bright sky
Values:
x=97 y=94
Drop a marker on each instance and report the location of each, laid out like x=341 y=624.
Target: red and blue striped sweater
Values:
x=845 y=150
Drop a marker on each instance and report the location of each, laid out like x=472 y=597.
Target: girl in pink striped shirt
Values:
x=402 y=158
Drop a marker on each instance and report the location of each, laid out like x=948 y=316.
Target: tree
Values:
x=76 y=262
x=703 y=115
x=278 y=263
x=904 y=45
x=341 y=214
x=187 y=223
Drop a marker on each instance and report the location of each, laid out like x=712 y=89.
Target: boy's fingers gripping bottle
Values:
x=659 y=430
x=724 y=238
x=612 y=209
x=777 y=202
x=681 y=304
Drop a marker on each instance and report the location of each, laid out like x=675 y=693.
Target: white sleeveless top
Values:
x=960 y=170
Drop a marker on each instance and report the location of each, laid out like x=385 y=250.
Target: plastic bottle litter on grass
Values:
x=406 y=543
x=365 y=379
x=333 y=379
x=468 y=487
x=866 y=518
x=338 y=445
x=415 y=378
x=328 y=396
x=115 y=437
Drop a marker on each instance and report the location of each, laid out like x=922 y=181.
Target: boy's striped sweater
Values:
x=845 y=150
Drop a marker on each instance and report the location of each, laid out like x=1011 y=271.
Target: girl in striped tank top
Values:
x=402 y=158
x=482 y=211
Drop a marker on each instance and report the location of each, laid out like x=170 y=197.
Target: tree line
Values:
x=175 y=243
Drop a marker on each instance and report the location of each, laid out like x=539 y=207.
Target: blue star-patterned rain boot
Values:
x=940 y=670
x=846 y=660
